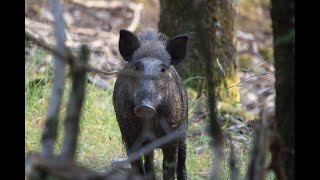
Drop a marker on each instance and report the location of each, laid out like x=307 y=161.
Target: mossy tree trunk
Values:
x=283 y=22
x=177 y=17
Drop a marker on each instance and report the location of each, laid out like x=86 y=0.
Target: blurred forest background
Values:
x=244 y=67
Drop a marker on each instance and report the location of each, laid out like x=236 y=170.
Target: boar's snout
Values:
x=145 y=111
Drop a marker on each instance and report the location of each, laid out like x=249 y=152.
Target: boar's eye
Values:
x=163 y=68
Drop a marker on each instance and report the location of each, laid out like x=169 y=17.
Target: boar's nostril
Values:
x=144 y=111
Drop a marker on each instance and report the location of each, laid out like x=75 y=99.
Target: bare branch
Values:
x=50 y=130
x=74 y=106
x=154 y=144
x=40 y=42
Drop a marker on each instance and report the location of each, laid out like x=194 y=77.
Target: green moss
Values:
x=266 y=53
x=224 y=47
x=245 y=61
x=237 y=110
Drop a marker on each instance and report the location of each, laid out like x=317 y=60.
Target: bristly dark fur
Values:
x=171 y=108
x=151 y=34
x=153 y=44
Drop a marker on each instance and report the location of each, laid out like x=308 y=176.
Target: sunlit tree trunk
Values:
x=177 y=17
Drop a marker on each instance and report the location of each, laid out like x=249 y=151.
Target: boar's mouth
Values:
x=145 y=111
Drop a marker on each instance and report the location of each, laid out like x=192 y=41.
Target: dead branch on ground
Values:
x=56 y=167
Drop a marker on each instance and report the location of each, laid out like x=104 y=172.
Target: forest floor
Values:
x=98 y=24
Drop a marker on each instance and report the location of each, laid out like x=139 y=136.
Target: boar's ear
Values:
x=177 y=48
x=128 y=44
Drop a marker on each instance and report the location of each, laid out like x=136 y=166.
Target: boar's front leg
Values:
x=131 y=147
x=170 y=156
x=149 y=166
x=137 y=165
x=181 y=164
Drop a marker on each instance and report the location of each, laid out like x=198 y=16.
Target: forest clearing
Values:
x=233 y=128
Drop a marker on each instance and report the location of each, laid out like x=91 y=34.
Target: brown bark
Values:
x=177 y=17
x=206 y=47
x=283 y=19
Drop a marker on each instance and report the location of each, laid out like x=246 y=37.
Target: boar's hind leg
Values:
x=181 y=165
x=170 y=155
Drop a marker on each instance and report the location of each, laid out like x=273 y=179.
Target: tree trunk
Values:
x=283 y=22
x=176 y=18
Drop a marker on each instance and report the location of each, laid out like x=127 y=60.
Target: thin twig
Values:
x=250 y=76
x=50 y=130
